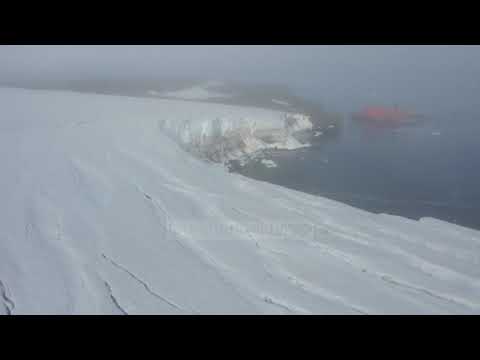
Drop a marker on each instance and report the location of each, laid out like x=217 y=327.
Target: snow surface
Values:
x=280 y=102
x=198 y=92
x=103 y=213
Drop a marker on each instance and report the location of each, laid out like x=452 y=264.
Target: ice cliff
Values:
x=231 y=132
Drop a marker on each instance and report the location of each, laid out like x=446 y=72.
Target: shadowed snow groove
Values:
x=289 y=308
x=427 y=292
x=143 y=283
x=114 y=300
x=7 y=302
x=270 y=301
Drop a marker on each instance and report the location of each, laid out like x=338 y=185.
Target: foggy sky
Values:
x=333 y=70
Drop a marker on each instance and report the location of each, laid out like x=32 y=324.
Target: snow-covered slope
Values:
x=101 y=212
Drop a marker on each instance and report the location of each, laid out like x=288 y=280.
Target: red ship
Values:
x=385 y=116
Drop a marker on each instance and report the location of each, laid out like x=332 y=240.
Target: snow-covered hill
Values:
x=103 y=212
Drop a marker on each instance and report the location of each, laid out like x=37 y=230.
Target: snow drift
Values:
x=104 y=213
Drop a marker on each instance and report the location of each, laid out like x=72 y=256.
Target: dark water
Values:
x=429 y=169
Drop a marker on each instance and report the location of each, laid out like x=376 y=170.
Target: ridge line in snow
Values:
x=143 y=283
x=7 y=301
x=271 y=301
x=114 y=300
x=459 y=302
